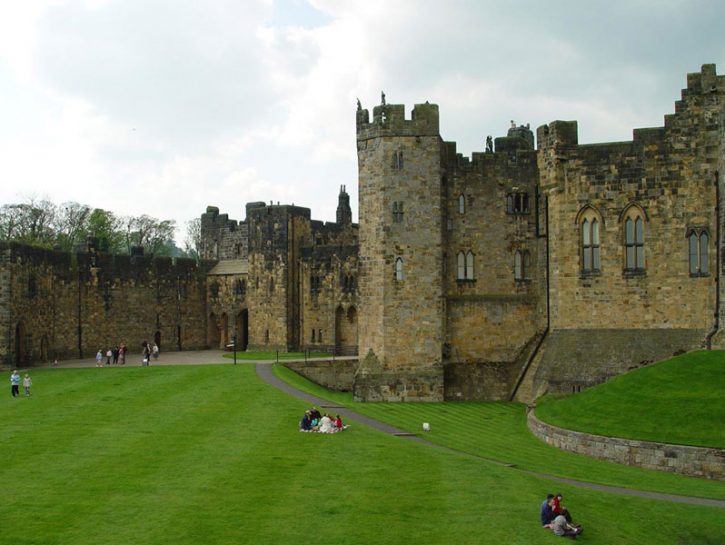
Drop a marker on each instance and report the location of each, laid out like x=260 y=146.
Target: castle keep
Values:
x=535 y=265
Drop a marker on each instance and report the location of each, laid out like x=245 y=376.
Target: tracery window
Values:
x=698 y=241
x=465 y=270
x=521 y=265
x=634 y=241
x=591 y=252
x=461 y=204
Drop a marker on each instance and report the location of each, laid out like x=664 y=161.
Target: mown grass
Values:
x=271 y=356
x=497 y=430
x=211 y=455
x=680 y=400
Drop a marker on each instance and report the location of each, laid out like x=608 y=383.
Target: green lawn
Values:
x=259 y=355
x=498 y=430
x=681 y=400
x=211 y=455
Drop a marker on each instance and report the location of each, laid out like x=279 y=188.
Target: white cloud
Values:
x=165 y=108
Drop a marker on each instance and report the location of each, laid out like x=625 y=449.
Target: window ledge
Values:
x=523 y=280
x=590 y=273
x=634 y=273
x=466 y=280
x=700 y=275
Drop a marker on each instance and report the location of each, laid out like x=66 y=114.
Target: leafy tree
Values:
x=71 y=224
x=150 y=233
x=107 y=228
x=192 y=243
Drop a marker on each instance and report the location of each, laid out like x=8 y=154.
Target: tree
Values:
x=192 y=243
x=150 y=233
x=71 y=224
x=108 y=229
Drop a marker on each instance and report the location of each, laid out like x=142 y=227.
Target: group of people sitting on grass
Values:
x=313 y=421
x=557 y=517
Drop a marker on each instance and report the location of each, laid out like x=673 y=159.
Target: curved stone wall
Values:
x=692 y=461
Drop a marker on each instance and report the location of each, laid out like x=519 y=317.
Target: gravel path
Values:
x=264 y=371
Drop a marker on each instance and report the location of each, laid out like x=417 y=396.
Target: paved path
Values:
x=185 y=357
x=264 y=370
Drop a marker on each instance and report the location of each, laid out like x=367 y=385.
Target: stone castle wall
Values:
x=692 y=461
x=57 y=305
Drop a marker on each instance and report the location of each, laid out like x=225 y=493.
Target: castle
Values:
x=521 y=270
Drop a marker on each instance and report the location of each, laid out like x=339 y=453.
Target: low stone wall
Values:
x=337 y=375
x=692 y=461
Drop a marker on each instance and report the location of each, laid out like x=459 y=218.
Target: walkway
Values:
x=264 y=371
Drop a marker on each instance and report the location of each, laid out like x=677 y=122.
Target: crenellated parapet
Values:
x=389 y=120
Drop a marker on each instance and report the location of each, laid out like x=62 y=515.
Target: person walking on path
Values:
x=15 y=383
x=99 y=358
x=27 y=383
x=109 y=355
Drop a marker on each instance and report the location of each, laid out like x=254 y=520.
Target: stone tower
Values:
x=401 y=321
x=344 y=212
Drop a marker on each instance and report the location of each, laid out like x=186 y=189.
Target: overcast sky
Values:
x=165 y=107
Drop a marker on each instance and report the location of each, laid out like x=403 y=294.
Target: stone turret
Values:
x=401 y=255
x=344 y=213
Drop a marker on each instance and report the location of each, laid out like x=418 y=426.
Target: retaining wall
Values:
x=691 y=461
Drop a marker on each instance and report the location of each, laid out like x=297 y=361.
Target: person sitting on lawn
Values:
x=562 y=528
x=547 y=511
x=326 y=425
x=559 y=509
x=315 y=414
x=338 y=422
x=306 y=422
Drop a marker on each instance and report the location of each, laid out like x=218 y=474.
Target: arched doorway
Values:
x=352 y=326
x=20 y=355
x=212 y=332
x=242 y=329
x=345 y=330
x=224 y=331
x=44 y=348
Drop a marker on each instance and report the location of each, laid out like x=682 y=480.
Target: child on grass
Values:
x=27 y=383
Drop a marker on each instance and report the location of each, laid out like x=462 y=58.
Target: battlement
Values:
x=557 y=134
x=389 y=120
x=213 y=219
x=704 y=82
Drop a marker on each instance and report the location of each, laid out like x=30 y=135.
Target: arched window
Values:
x=521 y=265
x=461 y=275
x=698 y=241
x=313 y=334
x=591 y=261
x=461 y=204
x=469 y=266
x=634 y=243
x=399 y=268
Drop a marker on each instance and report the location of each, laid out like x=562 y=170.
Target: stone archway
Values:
x=242 y=329
x=212 y=331
x=352 y=326
x=20 y=353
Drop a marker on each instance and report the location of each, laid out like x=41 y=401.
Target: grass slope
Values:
x=680 y=400
x=498 y=430
x=209 y=454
